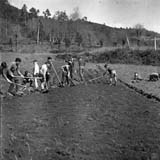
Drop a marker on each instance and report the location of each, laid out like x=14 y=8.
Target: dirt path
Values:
x=94 y=122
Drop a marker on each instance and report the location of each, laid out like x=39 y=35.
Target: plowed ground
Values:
x=85 y=122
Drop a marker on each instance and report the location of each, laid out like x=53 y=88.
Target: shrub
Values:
x=147 y=57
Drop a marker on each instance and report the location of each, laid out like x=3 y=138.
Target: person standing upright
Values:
x=49 y=71
x=71 y=68
x=36 y=72
x=81 y=63
x=45 y=77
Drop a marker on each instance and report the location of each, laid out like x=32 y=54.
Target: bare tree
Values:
x=24 y=14
x=39 y=30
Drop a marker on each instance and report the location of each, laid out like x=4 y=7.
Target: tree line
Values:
x=28 y=23
x=62 y=29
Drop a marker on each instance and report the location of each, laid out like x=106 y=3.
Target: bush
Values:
x=122 y=56
x=147 y=57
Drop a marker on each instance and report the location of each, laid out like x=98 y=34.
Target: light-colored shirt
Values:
x=36 y=69
x=44 y=69
x=65 y=68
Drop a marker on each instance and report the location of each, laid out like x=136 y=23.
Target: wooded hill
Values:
x=26 y=27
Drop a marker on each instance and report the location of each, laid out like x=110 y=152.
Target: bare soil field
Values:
x=84 y=122
x=93 y=122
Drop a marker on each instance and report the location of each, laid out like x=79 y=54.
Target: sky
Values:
x=115 y=13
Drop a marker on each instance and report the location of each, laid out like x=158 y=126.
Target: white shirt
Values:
x=114 y=72
x=65 y=67
x=44 y=69
x=36 y=69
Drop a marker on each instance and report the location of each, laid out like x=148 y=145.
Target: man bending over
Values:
x=112 y=74
x=15 y=73
x=4 y=71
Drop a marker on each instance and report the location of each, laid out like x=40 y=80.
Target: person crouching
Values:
x=154 y=76
x=28 y=78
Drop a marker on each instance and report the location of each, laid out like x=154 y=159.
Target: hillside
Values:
x=19 y=26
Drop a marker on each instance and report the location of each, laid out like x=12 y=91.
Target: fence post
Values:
x=128 y=41
x=155 y=43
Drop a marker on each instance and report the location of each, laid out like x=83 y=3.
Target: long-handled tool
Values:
x=24 y=87
x=56 y=72
x=85 y=82
x=28 y=77
x=95 y=78
x=19 y=84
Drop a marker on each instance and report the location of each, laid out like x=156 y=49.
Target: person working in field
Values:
x=44 y=72
x=154 y=76
x=28 y=78
x=112 y=75
x=10 y=78
x=4 y=71
x=137 y=77
x=49 y=71
x=36 y=72
x=81 y=64
x=66 y=76
x=71 y=64
x=17 y=76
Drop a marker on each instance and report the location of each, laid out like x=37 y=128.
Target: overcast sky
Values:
x=117 y=13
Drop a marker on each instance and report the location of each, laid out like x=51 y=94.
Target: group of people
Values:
x=154 y=76
x=17 y=80
x=40 y=77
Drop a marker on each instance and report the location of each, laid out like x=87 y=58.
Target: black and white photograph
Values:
x=79 y=79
